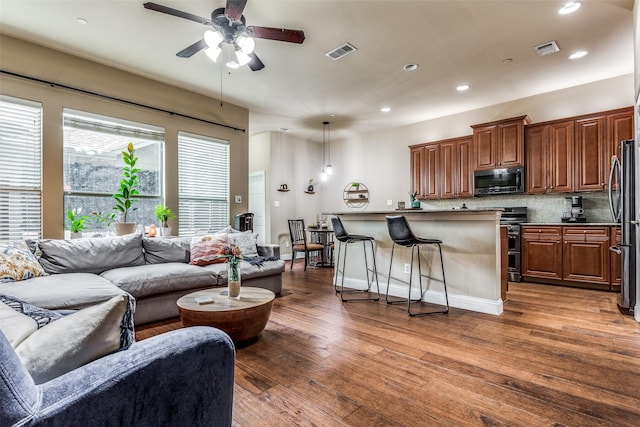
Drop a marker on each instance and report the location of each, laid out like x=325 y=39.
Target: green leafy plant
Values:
x=413 y=195
x=102 y=218
x=164 y=214
x=128 y=189
x=76 y=223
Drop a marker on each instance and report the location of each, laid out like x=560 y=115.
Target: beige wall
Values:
x=24 y=58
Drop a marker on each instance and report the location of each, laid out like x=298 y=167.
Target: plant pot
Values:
x=123 y=228
x=415 y=204
x=165 y=231
x=77 y=235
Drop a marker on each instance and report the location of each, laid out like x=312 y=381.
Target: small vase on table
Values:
x=233 y=282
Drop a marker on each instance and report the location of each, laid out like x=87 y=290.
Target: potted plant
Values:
x=76 y=223
x=415 y=203
x=128 y=189
x=164 y=214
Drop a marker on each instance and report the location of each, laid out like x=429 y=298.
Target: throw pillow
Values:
x=17 y=262
x=206 y=250
x=247 y=241
x=41 y=316
x=76 y=339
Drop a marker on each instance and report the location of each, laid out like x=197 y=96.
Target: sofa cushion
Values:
x=247 y=241
x=157 y=251
x=17 y=262
x=155 y=279
x=70 y=291
x=91 y=255
x=75 y=340
x=16 y=326
x=207 y=249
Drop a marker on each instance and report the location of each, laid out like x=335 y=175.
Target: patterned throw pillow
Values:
x=205 y=250
x=246 y=241
x=17 y=262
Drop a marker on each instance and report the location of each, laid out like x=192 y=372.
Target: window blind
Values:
x=203 y=184
x=20 y=169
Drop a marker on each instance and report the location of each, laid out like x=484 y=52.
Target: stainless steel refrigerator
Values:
x=622 y=204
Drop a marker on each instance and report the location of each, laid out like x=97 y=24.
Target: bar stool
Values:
x=342 y=236
x=401 y=234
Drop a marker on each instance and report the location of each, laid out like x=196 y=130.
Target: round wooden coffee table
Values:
x=242 y=319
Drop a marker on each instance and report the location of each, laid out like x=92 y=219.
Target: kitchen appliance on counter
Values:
x=622 y=205
x=513 y=217
x=576 y=213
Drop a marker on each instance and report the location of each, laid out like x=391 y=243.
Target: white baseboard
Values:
x=480 y=305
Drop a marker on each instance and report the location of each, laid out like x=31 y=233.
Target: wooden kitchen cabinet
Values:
x=542 y=252
x=620 y=127
x=586 y=254
x=442 y=169
x=456 y=176
x=591 y=153
x=549 y=157
x=499 y=144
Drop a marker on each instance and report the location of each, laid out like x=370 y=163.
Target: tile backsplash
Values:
x=546 y=208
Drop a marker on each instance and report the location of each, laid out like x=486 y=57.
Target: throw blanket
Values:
x=259 y=260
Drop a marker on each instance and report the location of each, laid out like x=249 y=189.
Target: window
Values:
x=20 y=169
x=203 y=176
x=93 y=164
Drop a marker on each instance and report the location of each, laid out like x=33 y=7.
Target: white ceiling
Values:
x=452 y=41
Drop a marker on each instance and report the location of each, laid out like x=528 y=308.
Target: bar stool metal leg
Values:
x=420 y=276
x=373 y=272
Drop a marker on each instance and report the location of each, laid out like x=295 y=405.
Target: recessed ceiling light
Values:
x=285 y=129
x=385 y=109
x=410 y=67
x=462 y=88
x=569 y=7
x=507 y=60
x=579 y=54
x=82 y=21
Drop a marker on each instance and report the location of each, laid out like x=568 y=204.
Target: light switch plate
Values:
x=238 y=198
x=389 y=202
x=276 y=203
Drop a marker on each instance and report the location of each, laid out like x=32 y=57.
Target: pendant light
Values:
x=327 y=141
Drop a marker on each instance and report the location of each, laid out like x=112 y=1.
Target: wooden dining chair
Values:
x=299 y=242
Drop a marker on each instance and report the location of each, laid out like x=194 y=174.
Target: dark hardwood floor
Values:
x=556 y=357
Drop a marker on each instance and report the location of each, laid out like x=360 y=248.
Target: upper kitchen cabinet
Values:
x=456 y=176
x=619 y=127
x=591 y=153
x=549 y=151
x=499 y=144
x=425 y=171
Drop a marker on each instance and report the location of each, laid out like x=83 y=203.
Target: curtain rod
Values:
x=112 y=98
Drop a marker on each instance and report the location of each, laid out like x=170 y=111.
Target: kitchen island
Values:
x=471 y=250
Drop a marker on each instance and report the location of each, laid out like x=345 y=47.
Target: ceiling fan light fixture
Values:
x=246 y=44
x=213 y=53
x=242 y=58
x=213 y=38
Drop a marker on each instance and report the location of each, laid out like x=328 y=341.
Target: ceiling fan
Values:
x=228 y=27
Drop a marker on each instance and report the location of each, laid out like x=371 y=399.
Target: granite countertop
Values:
x=572 y=224
x=418 y=211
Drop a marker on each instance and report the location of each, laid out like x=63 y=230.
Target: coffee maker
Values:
x=576 y=214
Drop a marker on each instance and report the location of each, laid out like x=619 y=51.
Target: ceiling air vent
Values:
x=341 y=51
x=547 y=48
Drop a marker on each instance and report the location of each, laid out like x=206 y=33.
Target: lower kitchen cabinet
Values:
x=542 y=252
x=570 y=254
x=586 y=254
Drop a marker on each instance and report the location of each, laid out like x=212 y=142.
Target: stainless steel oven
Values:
x=512 y=218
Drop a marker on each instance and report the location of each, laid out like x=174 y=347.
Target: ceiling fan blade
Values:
x=280 y=34
x=235 y=8
x=189 y=51
x=255 y=64
x=175 y=12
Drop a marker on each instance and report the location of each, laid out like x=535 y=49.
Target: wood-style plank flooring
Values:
x=556 y=357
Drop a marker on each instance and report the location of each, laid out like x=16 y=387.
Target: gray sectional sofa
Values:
x=156 y=272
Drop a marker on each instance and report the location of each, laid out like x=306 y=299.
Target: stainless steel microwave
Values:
x=498 y=181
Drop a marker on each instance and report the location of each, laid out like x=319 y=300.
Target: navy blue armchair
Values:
x=180 y=378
